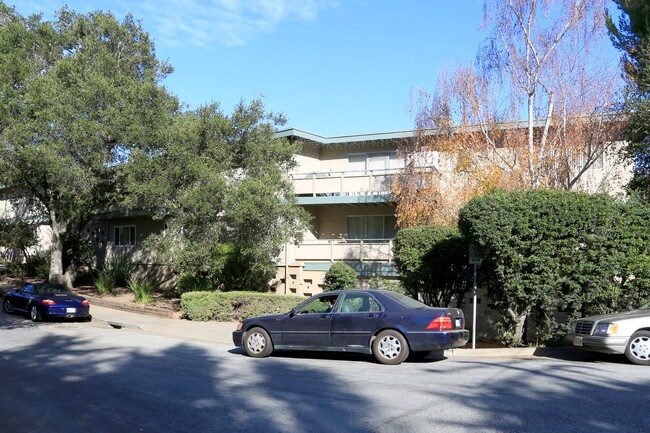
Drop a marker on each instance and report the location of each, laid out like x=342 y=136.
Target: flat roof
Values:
x=294 y=132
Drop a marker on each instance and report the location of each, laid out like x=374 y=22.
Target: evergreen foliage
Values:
x=17 y=235
x=233 y=306
x=632 y=36
x=551 y=251
x=432 y=263
x=228 y=203
x=77 y=94
x=340 y=276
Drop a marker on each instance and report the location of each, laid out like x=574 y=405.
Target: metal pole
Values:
x=474 y=310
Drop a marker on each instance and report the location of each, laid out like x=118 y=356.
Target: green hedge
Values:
x=234 y=306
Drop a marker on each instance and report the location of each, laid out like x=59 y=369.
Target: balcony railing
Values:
x=344 y=182
x=323 y=250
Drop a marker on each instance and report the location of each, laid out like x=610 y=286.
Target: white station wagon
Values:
x=623 y=333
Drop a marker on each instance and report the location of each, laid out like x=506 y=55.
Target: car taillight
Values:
x=84 y=302
x=441 y=323
x=48 y=302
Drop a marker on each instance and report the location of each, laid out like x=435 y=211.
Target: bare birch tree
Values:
x=531 y=111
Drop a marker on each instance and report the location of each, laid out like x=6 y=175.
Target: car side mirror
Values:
x=292 y=312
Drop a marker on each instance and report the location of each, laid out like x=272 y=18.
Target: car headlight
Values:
x=606 y=329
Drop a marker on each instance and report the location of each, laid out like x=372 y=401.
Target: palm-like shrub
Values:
x=104 y=283
x=142 y=290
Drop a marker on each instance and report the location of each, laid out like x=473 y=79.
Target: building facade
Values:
x=344 y=184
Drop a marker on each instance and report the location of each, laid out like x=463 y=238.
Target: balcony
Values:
x=343 y=183
x=331 y=250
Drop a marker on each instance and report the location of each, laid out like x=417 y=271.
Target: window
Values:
x=372 y=227
x=359 y=303
x=357 y=162
x=322 y=304
x=374 y=161
x=124 y=235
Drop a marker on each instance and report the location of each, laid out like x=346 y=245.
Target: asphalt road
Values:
x=80 y=377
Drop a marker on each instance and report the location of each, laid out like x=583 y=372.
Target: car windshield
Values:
x=405 y=300
x=52 y=290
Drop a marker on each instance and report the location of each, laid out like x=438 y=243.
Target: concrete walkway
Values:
x=221 y=333
x=210 y=332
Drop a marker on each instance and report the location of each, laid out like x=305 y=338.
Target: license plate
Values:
x=577 y=341
x=70 y=310
x=459 y=323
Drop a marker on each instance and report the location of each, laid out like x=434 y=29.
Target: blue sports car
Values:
x=46 y=300
x=387 y=325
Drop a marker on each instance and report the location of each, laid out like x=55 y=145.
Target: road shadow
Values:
x=578 y=355
x=67 y=383
x=341 y=356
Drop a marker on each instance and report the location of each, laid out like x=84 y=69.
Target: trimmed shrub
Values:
x=192 y=283
x=235 y=306
x=340 y=276
x=432 y=263
x=548 y=251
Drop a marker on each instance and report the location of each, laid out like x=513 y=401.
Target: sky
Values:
x=332 y=67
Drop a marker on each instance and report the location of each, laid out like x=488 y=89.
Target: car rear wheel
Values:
x=258 y=343
x=34 y=313
x=638 y=348
x=390 y=347
x=7 y=307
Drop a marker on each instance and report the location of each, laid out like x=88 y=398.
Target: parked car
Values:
x=623 y=333
x=45 y=301
x=385 y=324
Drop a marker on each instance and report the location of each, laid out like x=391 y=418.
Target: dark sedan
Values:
x=46 y=301
x=387 y=325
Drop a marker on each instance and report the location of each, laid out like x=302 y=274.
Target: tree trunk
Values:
x=519 y=328
x=519 y=321
x=56 y=257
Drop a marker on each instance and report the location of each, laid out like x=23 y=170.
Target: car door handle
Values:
x=372 y=316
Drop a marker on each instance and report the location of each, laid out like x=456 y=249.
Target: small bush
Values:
x=43 y=271
x=17 y=269
x=340 y=276
x=104 y=283
x=120 y=267
x=191 y=283
x=229 y=306
x=142 y=290
x=378 y=283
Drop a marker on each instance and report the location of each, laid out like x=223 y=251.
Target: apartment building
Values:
x=344 y=183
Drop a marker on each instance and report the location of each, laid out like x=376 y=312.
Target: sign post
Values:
x=476 y=260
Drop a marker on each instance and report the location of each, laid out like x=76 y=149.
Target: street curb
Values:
x=132 y=308
x=117 y=325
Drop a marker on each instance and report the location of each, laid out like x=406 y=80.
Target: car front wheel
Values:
x=258 y=343
x=34 y=314
x=390 y=347
x=638 y=348
x=6 y=305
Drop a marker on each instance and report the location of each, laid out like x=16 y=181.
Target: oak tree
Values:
x=77 y=94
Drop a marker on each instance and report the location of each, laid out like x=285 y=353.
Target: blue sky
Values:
x=333 y=67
